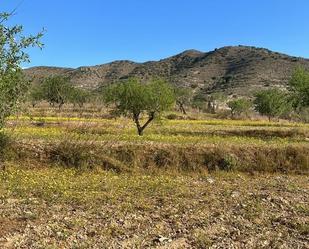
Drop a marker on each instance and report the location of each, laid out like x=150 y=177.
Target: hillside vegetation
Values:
x=234 y=70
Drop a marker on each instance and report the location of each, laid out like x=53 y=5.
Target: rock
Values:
x=162 y=239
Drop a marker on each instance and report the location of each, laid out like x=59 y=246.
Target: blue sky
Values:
x=91 y=32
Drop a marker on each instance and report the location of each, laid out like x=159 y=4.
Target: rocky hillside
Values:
x=234 y=70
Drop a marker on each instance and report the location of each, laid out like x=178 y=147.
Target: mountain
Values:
x=238 y=70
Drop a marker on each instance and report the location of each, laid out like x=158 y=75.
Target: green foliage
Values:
x=35 y=95
x=271 y=102
x=79 y=96
x=133 y=98
x=239 y=106
x=13 y=44
x=304 y=114
x=299 y=84
x=56 y=90
x=183 y=98
x=199 y=100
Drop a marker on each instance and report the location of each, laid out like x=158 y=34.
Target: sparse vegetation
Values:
x=83 y=166
x=71 y=208
x=198 y=173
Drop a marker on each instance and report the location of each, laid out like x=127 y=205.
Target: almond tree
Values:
x=183 y=98
x=134 y=99
x=239 y=106
x=56 y=90
x=271 y=102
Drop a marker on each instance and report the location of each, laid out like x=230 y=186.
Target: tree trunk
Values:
x=140 y=129
x=60 y=105
x=183 y=109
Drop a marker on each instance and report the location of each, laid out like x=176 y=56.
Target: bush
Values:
x=84 y=156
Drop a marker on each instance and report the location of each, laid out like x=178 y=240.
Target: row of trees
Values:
x=148 y=100
x=131 y=98
x=275 y=102
x=57 y=91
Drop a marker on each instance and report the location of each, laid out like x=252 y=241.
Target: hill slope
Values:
x=235 y=70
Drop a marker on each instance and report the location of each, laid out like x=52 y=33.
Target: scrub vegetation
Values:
x=144 y=164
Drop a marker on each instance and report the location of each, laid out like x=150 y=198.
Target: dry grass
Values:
x=66 y=208
x=83 y=181
x=181 y=145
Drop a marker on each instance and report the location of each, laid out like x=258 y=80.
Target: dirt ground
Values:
x=98 y=210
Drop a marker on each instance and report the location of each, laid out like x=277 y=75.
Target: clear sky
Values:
x=91 y=32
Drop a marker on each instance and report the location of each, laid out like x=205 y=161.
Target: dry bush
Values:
x=84 y=156
x=125 y=156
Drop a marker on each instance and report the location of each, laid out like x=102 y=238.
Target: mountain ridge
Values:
x=236 y=70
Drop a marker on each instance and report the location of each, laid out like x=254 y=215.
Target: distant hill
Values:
x=238 y=70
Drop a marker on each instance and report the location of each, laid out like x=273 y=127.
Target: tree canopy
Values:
x=271 y=102
x=239 y=106
x=13 y=45
x=134 y=99
x=56 y=90
x=299 y=84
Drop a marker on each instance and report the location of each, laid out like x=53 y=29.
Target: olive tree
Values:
x=13 y=44
x=271 y=102
x=136 y=99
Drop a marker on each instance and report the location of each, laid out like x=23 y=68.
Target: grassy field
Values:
x=193 y=144
x=82 y=181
